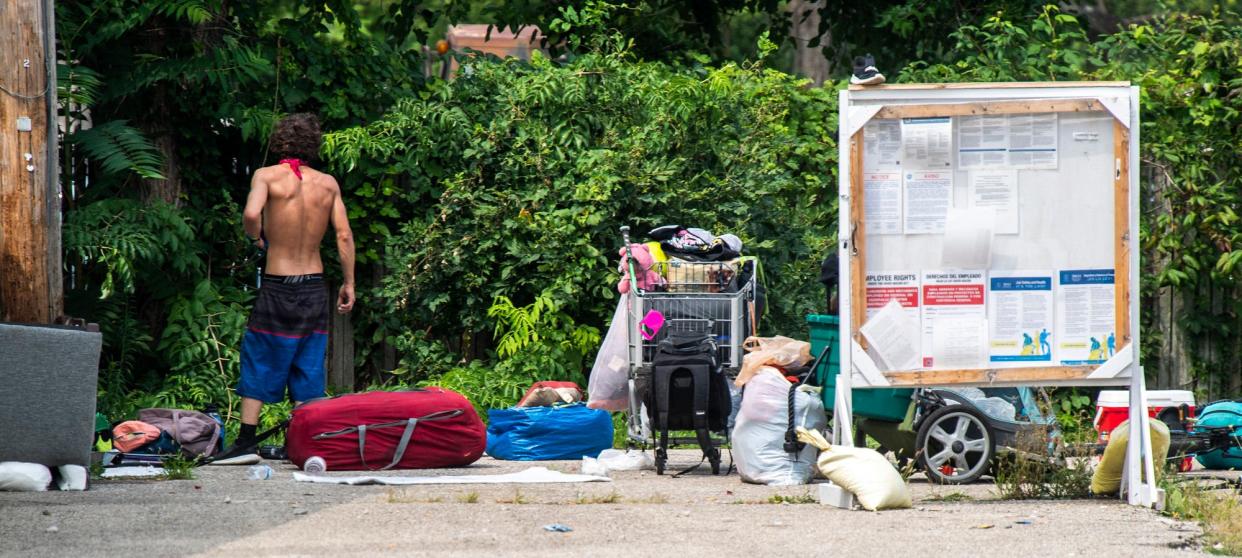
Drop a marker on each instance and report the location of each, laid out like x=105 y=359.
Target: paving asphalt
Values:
x=638 y=514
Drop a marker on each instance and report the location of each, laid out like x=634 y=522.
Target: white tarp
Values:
x=533 y=475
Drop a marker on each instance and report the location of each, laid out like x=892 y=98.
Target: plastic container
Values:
x=315 y=465
x=880 y=404
x=1113 y=407
x=259 y=472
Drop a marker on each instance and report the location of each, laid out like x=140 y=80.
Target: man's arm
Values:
x=252 y=216
x=345 y=248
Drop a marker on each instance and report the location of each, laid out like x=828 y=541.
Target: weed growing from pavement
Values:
x=469 y=498
x=404 y=497
x=804 y=498
x=1030 y=470
x=950 y=497
x=653 y=499
x=612 y=498
x=518 y=498
x=1218 y=511
x=179 y=468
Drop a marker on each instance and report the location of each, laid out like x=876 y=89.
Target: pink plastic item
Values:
x=651 y=324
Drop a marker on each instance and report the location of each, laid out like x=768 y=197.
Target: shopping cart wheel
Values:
x=955 y=445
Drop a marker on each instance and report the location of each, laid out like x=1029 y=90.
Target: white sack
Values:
x=759 y=434
x=862 y=471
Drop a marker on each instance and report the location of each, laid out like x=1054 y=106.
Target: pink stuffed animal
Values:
x=647 y=278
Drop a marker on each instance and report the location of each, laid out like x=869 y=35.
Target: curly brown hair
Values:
x=296 y=136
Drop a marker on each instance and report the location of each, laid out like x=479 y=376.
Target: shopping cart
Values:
x=713 y=298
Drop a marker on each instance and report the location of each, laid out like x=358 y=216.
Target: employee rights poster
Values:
x=1020 y=318
x=953 y=303
x=1085 y=316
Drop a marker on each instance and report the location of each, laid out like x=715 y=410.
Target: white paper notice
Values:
x=1033 y=141
x=927 y=143
x=882 y=145
x=997 y=190
x=1085 y=316
x=927 y=197
x=968 y=239
x=1020 y=311
x=888 y=332
x=960 y=343
x=951 y=295
x=982 y=142
x=882 y=202
x=899 y=286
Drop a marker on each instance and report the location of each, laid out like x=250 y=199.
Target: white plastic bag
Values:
x=862 y=471
x=611 y=460
x=609 y=385
x=24 y=477
x=759 y=434
x=72 y=477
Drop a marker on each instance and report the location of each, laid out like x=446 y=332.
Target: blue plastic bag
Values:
x=562 y=432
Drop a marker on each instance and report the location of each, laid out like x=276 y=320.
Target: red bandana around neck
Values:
x=295 y=165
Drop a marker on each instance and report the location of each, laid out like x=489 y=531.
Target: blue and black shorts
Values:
x=286 y=339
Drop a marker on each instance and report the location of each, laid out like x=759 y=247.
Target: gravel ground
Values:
x=638 y=514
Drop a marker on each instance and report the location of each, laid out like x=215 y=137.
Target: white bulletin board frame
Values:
x=1116 y=101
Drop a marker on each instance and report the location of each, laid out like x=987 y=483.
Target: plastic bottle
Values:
x=259 y=472
x=315 y=465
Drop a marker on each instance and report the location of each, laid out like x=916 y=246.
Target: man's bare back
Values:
x=293 y=214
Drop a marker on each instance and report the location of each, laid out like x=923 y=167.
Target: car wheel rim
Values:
x=957 y=446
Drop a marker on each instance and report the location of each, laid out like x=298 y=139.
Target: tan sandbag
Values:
x=781 y=352
x=862 y=471
x=1107 y=476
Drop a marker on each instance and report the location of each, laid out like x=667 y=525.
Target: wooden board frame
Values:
x=1120 y=100
x=853 y=231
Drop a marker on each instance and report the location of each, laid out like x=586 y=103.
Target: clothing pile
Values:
x=674 y=262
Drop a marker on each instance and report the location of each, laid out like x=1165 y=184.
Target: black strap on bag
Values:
x=792 y=445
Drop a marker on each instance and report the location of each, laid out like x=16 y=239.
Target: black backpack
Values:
x=688 y=391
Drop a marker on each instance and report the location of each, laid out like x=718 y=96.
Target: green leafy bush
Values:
x=512 y=181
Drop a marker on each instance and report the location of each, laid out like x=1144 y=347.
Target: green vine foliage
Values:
x=513 y=180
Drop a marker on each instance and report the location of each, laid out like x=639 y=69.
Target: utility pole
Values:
x=31 y=288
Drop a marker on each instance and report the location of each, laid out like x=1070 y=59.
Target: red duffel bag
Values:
x=424 y=428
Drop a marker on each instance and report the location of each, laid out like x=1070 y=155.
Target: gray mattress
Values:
x=48 y=376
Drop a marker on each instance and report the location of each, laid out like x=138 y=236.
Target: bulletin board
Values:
x=989 y=230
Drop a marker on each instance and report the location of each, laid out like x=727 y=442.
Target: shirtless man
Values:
x=287 y=214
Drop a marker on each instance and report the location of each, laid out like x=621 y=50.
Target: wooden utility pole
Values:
x=30 y=259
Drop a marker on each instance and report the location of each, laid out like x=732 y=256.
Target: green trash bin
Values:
x=879 y=404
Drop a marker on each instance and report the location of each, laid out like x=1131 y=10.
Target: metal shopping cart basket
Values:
x=715 y=298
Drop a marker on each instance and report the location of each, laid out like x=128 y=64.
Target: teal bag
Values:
x=1222 y=413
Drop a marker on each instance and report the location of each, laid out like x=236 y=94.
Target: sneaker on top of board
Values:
x=865 y=72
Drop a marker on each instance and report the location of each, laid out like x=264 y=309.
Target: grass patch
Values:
x=469 y=498
x=1219 y=512
x=179 y=468
x=653 y=499
x=403 y=497
x=518 y=498
x=804 y=498
x=950 y=497
x=613 y=498
x=1028 y=472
